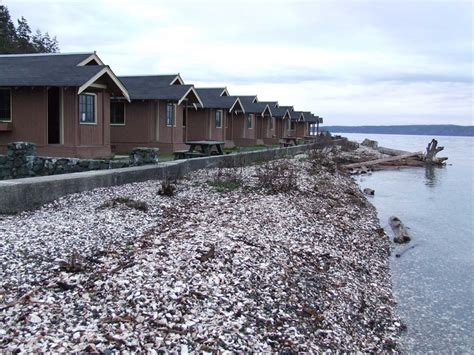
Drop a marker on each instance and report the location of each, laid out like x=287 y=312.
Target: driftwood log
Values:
x=431 y=150
x=398 y=159
x=399 y=229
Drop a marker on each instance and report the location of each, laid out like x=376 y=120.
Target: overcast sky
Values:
x=351 y=62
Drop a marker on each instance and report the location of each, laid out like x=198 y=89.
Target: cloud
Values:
x=365 y=60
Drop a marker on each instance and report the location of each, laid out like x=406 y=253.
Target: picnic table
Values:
x=200 y=149
x=310 y=139
x=288 y=141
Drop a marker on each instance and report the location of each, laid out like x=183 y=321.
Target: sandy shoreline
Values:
x=207 y=270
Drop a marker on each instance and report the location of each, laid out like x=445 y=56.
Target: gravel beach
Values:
x=284 y=256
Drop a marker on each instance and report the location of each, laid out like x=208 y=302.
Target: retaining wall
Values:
x=21 y=161
x=29 y=193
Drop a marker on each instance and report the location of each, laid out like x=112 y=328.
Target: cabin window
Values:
x=292 y=125
x=272 y=123
x=5 y=105
x=87 y=108
x=218 y=119
x=249 y=120
x=117 y=113
x=170 y=115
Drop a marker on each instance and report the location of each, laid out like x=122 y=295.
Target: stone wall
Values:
x=21 y=161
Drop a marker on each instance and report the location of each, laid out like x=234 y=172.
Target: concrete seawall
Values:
x=29 y=193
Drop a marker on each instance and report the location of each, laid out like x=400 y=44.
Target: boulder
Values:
x=369 y=192
x=370 y=143
x=399 y=229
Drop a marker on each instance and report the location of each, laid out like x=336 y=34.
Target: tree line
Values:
x=19 y=39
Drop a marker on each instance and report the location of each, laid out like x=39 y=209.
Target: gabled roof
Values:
x=77 y=70
x=289 y=108
x=296 y=115
x=254 y=107
x=157 y=87
x=272 y=104
x=157 y=80
x=311 y=118
x=215 y=91
x=306 y=115
x=280 y=112
x=211 y=98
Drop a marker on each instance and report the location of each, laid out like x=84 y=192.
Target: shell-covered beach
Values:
x=283 y=256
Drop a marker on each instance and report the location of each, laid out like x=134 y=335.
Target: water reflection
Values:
x=430 y=176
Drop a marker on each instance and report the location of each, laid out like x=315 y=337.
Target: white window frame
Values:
x=4 y=120
x=250 y=119
x=271 y=123
x=95 y=108
x=124 y=114
x=173 y=124
x=215 y=118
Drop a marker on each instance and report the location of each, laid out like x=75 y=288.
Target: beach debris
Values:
x=431 y=150
x=398 y=255
x=300 y=270
x=399 y=229
x=369 y=192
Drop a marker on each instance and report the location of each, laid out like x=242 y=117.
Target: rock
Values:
x=370 y=143
x=35 y=319
x=141 y=156
x=401 y=233
x=369 y=192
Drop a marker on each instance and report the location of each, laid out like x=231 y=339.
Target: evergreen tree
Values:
x=20 y=39
x=7 y=32
x=23 y=37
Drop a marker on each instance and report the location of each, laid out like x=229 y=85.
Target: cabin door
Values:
x=54 y=116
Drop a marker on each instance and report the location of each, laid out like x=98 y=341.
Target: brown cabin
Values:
x=213 y=120
x=249 y=126
x=281 y=115
x=59 y=102
x=157 y=115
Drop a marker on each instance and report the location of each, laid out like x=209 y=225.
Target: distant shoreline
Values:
x=421 y=130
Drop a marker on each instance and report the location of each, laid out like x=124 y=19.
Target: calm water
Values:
x=433 y=282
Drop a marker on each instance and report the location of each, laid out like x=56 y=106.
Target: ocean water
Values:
x=432 y=282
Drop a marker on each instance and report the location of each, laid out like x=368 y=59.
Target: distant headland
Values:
x=431 y=130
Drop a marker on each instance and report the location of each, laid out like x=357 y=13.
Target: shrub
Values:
x=320 y=159
x=277 y=177
x=167 y=188
x=227 y=177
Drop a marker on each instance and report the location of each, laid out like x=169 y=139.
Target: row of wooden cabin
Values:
x=73 y=105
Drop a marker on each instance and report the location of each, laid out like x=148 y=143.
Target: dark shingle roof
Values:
x=211 y=91
x=279 y=112
x=252 y=107
x=272 y=104
x=313 y=118
x=295 y=115
x=150 y=80
x=46 y=70
x=307 y=115
x=211 y=98
x=155 y=87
